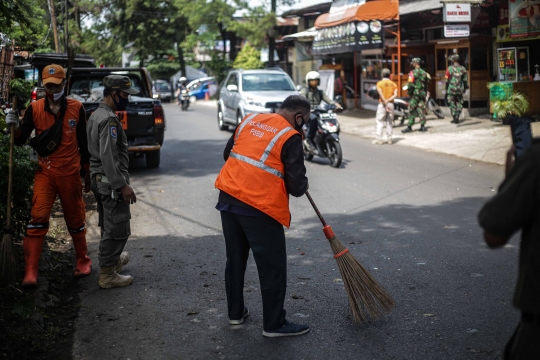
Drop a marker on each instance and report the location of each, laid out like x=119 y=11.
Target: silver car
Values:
x=252 y=91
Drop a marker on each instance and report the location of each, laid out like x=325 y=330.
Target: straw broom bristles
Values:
x=8 y=263
x=368 y=300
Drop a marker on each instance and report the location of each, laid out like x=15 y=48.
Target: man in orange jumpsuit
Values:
x=58 y=173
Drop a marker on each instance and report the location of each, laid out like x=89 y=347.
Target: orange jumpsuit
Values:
x=58 y=174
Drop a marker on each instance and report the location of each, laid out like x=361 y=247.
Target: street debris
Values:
x=193 y=312
x=297 y=297
x=430 y=315
x=471 y=331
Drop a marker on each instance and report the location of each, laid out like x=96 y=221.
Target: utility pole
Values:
x=54 y=26
x=272 y=39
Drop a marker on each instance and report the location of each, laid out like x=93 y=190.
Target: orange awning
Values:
x=371 y=10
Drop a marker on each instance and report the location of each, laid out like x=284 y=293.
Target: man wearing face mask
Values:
x=59 y=171
x=264 y=163
x=109 y=164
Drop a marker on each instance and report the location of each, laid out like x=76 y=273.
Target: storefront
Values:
x=517 y=60
x=350 y=40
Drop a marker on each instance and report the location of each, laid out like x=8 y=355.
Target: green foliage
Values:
x=218 y=66
x=248 y=58
x=511 y=103
x=23 y=180
x=255 y=26
x=22 y=89
x=163 y=68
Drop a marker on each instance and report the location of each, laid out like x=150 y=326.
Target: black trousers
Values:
x=312 y=127
x=266 y=239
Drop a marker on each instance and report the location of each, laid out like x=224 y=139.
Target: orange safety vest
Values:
x=65 y=160
x=254 y=173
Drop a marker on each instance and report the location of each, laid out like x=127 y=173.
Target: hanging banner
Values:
x=353 y=36
x=503 y=35
x=524 y=18
x=457 y=13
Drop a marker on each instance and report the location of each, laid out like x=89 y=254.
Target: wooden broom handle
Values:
x=10 y=177
x=315 y=208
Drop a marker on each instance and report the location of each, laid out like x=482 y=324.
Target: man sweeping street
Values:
x=418 y=87
x=109 y=164
x=60 y=127
x=516 y=207
x=457 y=84
x=264 y=163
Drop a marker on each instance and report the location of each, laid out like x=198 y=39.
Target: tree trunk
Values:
x=181 y=60
x=223 y=34
x=234 y=50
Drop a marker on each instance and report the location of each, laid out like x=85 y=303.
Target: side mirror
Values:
x=232 y=88
x=299 y=87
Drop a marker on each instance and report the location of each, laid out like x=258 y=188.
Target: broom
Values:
x=368 y=300
x=8 y=263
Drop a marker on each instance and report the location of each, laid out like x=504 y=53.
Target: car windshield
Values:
x=84 y=87
x=266 y=82
x=162 y=87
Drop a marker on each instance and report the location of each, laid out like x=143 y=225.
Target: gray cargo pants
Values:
x=114 y=218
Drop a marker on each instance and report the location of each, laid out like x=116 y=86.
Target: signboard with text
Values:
x=353 y=36
x=461 y=30
x=457 y=13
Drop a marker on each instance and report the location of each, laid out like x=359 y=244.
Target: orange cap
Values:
x=53 y=74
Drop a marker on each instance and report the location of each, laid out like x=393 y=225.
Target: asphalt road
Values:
x=407 y=215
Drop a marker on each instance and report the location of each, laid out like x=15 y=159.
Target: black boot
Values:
x=408 y=129
x=423 y=128
x=454 y=120
x=457 y=117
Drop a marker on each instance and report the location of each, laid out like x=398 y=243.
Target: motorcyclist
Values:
x=315 y=96
x=181 y=86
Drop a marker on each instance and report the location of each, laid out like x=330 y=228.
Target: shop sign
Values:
x=457 y=13
x=503 y=35
x=503 y=13
x=524 y=18
x=353 y=36
x=461 y=30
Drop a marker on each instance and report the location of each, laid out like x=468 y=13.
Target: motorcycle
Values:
x=184 y=99
x=401 y=105
x=327 y=137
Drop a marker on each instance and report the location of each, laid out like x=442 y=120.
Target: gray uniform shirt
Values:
x=315 y=96
x=108 y=146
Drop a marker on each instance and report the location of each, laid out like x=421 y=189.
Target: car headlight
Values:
x=155 y=96
x=253 y=102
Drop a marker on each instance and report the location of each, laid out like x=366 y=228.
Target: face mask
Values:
x=57 y=96
x=121 y=104
x=298 y=127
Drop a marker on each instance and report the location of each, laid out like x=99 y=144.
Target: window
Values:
x=85 y=87
x=266 y=82
x=479 y=58
x=232 y=80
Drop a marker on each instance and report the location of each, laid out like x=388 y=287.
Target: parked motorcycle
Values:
x=184 y=99
x=327 y=137
x=401 y=105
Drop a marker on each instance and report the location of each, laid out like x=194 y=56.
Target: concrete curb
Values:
x=475 y=138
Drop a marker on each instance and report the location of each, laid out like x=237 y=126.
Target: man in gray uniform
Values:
x=108 y=146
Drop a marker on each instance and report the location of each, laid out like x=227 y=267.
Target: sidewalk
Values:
x=476 y=138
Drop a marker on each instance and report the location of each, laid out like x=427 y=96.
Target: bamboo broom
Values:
x=368 y=300
x=8 y=263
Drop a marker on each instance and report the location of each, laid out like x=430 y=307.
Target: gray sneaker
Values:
x=289 y=329
x=241 y=320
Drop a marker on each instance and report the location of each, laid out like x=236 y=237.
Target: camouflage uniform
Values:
x=418 y=91
x=456 y=85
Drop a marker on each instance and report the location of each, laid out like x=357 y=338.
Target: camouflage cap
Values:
x=454 y=57
x=385 y=72
x=119 y=83
x=416 y=60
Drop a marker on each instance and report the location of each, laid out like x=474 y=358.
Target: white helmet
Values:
x=182 y=79
x=313 y=75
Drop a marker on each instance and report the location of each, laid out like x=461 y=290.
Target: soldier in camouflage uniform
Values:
x=456 y=85
x=418 y=87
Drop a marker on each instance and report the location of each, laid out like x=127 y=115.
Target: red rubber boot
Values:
x=84 y=264
x=32 y=247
